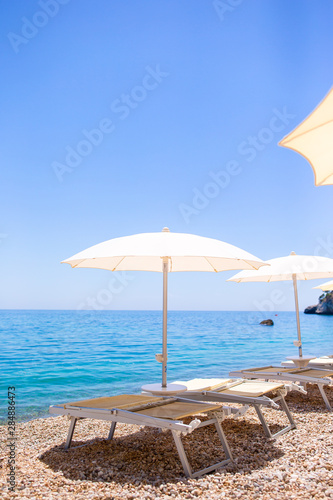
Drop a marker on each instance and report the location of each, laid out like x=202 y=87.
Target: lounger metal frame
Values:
x=217 y=396
x=295 y=375
x=177 y=427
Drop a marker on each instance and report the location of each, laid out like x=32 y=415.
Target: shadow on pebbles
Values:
x=142 y=463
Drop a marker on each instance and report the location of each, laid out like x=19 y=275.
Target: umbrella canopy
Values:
x=292 y=267
x=164 y=252
x=145 y=252
x=313 y=140
x=325 y=287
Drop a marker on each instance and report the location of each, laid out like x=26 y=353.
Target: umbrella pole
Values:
x=297 y=316
x=165 y=319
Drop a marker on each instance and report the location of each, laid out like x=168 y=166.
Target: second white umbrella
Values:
x=292 y=267
x=325 y=287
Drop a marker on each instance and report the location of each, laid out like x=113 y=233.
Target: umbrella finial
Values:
x=165 y=230
x=292 y=253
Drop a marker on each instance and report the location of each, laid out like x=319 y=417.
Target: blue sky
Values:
x=119 y=116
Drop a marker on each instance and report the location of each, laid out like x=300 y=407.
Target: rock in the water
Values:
x=324 y=306
x=310 y=310
x=268 y=322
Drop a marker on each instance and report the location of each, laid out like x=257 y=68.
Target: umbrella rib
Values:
x=118 y=263
x=94 y=258
x=325 y=179
x=252 y=265
x=211 y=265
x=283 y=142
x=75 y=265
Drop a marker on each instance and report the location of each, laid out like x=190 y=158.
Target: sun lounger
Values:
x=303 y=376
x=244 y=392
x=159 y=412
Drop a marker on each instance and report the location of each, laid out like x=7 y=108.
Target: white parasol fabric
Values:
x=165 y=252
x=313 y=140
x=326 y=287
x=144 y=252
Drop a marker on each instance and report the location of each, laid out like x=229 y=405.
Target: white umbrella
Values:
x=165 y=252
x=313 y=140
x=292 y=267
x=325 y=287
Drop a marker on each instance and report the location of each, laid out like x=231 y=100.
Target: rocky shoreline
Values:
x=142 y=463
x=324 y=306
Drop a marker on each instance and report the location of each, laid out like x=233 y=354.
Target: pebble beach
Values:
x=143 y=463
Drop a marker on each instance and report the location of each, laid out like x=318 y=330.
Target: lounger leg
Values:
x=182 y=454
x=263 y=421
x=112 y=429
x=223 y=440
x=287 y=412
x=183 y=457
x=70 y=432
x=327 y=403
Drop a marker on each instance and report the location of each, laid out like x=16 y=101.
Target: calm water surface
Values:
x=57 y=356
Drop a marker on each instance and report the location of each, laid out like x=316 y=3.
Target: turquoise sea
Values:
x=57 y=356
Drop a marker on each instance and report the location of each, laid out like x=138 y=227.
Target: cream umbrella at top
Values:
x=292 y=267
x=313 y=140
x=165 y=252
x=325 y=287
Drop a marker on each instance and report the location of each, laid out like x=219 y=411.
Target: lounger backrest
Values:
x=268 y=369
x=253 y=388
x=316 y=373
x=205 y=384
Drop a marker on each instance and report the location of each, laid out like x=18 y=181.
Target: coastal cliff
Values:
x=324 y=306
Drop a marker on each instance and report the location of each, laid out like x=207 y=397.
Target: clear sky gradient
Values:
x=120 y=117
